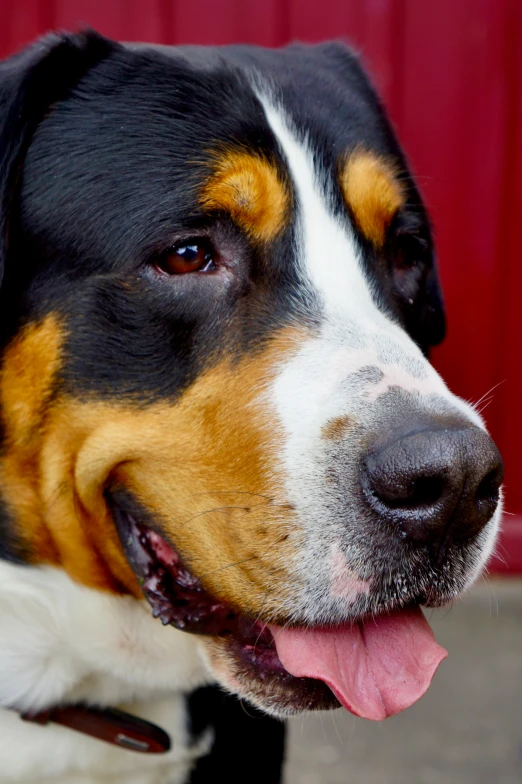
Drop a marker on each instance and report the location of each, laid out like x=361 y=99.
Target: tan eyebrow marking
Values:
x=372 y=192
x=250 y=189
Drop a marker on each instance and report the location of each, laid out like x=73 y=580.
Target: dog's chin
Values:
x=243 y=670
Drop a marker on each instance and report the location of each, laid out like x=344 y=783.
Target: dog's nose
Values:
x=435 y=485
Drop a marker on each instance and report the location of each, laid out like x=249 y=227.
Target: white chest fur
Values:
x=61 y=642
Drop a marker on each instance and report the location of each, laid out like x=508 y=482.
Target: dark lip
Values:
x=178 y=599
x=176 y=596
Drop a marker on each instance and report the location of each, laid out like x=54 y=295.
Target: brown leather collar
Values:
x=108 y=724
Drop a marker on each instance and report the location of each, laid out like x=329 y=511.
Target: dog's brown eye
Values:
x=193 y=257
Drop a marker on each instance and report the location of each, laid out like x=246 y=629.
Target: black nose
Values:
x=435 y=486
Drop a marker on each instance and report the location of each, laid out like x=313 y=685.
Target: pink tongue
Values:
x=374 y=669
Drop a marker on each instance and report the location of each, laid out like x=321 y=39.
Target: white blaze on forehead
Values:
x=355 y=332
x=327 y=252
x=330 y=259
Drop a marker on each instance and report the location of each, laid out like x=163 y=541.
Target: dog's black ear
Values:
x=30 y=82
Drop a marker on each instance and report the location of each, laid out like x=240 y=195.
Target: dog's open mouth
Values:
x=375 y=667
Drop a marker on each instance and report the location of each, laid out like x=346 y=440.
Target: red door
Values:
x=451 y=74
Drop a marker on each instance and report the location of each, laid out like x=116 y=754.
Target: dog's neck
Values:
x=63 y=643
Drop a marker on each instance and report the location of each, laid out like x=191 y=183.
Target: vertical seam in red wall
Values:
x=509 y=152
x=399 y=43
x=47 y=15
x=167 y=21
x=282 y=31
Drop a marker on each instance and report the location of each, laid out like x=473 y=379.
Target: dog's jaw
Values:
x=375 y=667
x=240 y=649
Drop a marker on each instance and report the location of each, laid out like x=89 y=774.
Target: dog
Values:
x=219 y=294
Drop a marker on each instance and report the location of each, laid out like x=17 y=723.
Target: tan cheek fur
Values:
x=26 y=385
x=204 y=466
x=372 y=192
x=250 y=190
x=48 y=521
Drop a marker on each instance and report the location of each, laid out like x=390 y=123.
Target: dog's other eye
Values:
x=192 y=257
x=409 y=251
x=410 y=261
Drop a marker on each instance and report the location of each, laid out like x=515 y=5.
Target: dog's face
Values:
x=218 y=297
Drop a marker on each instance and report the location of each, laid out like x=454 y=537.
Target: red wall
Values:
x=451 y=74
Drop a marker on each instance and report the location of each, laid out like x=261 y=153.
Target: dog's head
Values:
x=218 y=296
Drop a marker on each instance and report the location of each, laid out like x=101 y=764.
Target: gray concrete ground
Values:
x=466 y=730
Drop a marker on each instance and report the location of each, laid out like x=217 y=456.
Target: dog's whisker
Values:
x=336 y=728
x=228 y=566
x=257 y=556
x=234 y=492
x=261 y=610
x=238 y=507
x=492 y=595
x=448 y=612
x=219 y=509
x=502 y=558
x=245 y=709
x=487 y=394
x=482 y=407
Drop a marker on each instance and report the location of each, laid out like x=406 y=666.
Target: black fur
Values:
x=95 y=147
x=30 y=83
x=103 y=149
x=248 y=745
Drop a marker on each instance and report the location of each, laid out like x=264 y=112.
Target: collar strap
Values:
x=108 y=724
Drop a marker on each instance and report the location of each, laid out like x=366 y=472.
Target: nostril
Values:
x=427 y=490
x=420 y=493
x=488 y=491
